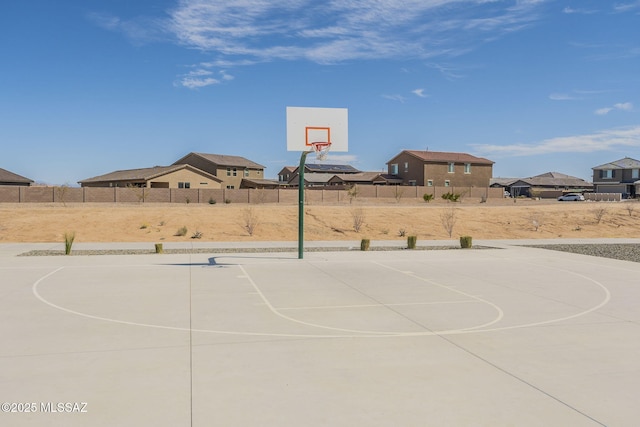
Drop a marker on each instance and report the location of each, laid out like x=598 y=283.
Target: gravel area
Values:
x=623 y=252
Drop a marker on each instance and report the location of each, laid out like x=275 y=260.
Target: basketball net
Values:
x=321 y=149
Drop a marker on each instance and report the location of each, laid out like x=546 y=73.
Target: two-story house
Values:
x=619 y=176
x=230 y=169
x=441 y=169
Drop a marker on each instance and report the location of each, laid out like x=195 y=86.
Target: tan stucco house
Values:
x=231 y=170
x=175 y=176
x=441 y=169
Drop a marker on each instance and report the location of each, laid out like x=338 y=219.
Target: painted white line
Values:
x=450 y=288
x=313 y=325
x=354 y=333
x=330 y=307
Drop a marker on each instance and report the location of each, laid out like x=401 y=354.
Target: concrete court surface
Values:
x=511 y=336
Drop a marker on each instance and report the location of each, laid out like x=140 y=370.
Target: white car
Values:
x=571 y=197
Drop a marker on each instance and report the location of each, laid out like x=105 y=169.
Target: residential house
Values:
x=261 y=183
x=619 y=176
x=312 y=179
x=320 y=168
x=550 y=184
x=231 y=170
x=364 y=178
x=175 y=176
x=286 y=173
x=10 y=178
x=441 y=169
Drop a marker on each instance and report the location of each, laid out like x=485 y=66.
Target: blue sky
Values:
x=92 y=86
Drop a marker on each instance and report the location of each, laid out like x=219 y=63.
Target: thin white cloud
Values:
x=626 y=7
x=623 y=106
x=613 y=139
x=202 y=77
x=419 y=92
x=337 y=30
x=603 y=111
x=396 y=97
x=570 y=11
x=561 y=97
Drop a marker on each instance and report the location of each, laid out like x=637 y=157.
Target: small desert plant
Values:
x=162 y=223
x=630 y=207
x=61 y=193
x=159 y=248
x=353 y=193
x=250 y=220
x=69 y=237
x=364 y=244
x=212 y=201
x=187 y=200
x=427 y=197
x=197 y=235
x=399 y=193
x=465 y=242
x=452 y=197
x=411 y=242
x=537 y=220
x=358 y=219
x=227 y=201
x=448 y=219
x=402 y=232
x=144 y=226
x=599 y=213
x=182 y=231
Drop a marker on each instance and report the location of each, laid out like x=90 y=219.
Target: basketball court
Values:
x=489 y=337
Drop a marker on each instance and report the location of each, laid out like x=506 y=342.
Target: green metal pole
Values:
x=303 y=158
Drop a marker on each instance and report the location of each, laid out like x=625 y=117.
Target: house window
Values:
x=246 y=172
x=467 y=168
x=184 y=185
x=606 y=174
x=451 y=168
x=429 y=183
x=406 y=166
x=447 y=183
x=235 y=171
x=394 y=169
x=230 y=187
x=635 y=173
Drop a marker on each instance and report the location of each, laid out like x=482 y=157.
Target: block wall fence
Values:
x=16 y=194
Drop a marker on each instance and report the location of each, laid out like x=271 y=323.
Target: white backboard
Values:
x=306 y=125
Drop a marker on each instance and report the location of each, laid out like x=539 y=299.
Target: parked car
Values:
x=571 y=197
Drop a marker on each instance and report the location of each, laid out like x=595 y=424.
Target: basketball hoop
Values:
x=321 y=149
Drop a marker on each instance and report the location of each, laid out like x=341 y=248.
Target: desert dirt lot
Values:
x=496 y=219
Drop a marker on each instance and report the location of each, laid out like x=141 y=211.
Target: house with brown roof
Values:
x=231 y=170
x=364 y=178
x=286 y=173
x=10 y=178
x=441 y=169
x=175 y=176
x=549 y=184
x=619 y=176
